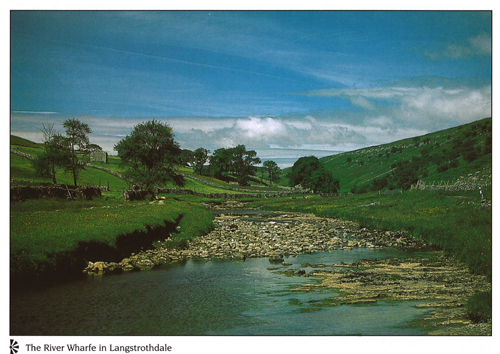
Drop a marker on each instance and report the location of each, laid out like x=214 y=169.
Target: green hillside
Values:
x=18 y=141
x=22 y=172
x=461 y=153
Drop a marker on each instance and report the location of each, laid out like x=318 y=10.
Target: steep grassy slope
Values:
x=443 y=156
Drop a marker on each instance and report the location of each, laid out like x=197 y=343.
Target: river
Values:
x=217 y=297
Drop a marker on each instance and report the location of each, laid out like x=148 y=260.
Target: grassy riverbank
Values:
x=457 y=222
x=44 y=230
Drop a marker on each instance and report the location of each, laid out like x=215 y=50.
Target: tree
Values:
x=321 y=181
x=56 y=154
x=302 y=168
x=273 y=171
x=94 y=147
x=200 y=157
x=220 y=162
x=310 y=173
x=243 y=164
x=77 y=140
x=151 y=151
x=406 y=175
x=185 y=157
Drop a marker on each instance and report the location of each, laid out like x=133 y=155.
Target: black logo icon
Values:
x=14 y=346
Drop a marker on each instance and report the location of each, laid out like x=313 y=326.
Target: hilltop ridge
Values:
x=444 y=156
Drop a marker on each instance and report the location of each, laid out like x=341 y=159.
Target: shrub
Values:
x=442 y=168
x=471 y=156
x=177 y=243
x=479 y=307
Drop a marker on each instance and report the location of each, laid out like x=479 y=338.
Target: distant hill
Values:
x=18 y=141
x=444 y=156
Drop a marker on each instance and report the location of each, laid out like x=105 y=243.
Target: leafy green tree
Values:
x=220 y=162
x=200 y=157
x=379 y=184
x=243 y=163
x=185 y=157
x=310 y=173
x=77 y=139
x=302 y=168
x=94 y=147
x=151 y=152
x=321 y=181
x=406 y=175
x=273 y=171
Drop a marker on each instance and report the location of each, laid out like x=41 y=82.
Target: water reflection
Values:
x=219 y=297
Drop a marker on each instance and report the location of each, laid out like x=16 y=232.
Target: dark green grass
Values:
x=18 y=141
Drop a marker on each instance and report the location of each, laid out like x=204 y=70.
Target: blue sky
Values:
x=284 y=83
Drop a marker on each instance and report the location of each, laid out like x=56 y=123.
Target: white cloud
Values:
x=362 y=102
x=381 y=121
x=433 y=106
x=479 y=45
x=259 y=128
x=422 y=107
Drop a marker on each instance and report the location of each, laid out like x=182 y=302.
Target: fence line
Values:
x=460 y=185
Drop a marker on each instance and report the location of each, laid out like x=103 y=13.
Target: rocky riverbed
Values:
x=436 y=281
x=286 y=235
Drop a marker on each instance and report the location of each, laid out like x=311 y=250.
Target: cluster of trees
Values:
x=236 y=161
x=151 y=153
x=63 y=151
x=311 y=174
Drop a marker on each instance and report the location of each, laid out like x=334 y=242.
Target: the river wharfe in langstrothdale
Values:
x=339 y=291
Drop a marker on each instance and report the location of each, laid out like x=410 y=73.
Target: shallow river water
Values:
x=217 y=297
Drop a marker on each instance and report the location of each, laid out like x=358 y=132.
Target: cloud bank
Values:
x=379 y=115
